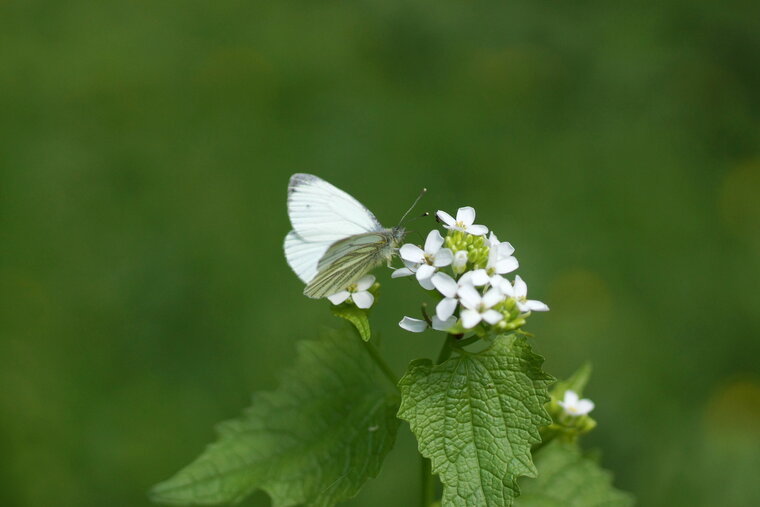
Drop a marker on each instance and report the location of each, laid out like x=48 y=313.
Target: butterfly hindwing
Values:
x=349 y=259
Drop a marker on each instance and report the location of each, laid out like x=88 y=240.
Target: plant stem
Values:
x=380 y=362
x=428 y=486
x=446 y=349
x=468 y=341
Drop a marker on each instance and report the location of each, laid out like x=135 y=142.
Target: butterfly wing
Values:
x=349 y=259
x=303 y=256
x=321 y=212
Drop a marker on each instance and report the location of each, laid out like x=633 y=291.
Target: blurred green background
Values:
x=145 y=149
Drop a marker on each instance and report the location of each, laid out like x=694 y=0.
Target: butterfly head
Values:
x=397 y=235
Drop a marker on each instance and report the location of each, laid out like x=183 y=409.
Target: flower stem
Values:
x=428 y=487
x=468 y=341
x=446 y=348
x=380 y=362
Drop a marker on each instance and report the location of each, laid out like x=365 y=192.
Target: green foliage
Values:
x=313 y=441
x=576 y=382
x=355 y=316
x=476 y=416
x=567 y=478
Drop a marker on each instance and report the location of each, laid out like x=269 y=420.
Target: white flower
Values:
x=418 y=326
x=358 y=292
x=500 y=258
x=409 y=269
x=424 y=263
x=464 y=221
x=450 y=289
x=574 y=406
x=478 y=307
x=519 y=292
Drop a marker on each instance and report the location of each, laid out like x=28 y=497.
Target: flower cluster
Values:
x=570 y=415
x=465 y=270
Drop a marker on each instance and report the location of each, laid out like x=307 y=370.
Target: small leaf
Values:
x=355 y=316
x=576 y=382
x=313 y=441
x=566 y=478
x=476 y=416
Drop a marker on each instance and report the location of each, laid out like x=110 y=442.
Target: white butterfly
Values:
x=335 y=240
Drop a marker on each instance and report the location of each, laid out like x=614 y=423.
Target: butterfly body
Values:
x=335 y=240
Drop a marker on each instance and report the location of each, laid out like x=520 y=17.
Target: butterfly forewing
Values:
x=303 y=256
x=322 y=212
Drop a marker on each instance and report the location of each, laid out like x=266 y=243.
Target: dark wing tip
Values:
x=299 y=179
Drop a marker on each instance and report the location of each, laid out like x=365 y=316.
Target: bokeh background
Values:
x=145 y=149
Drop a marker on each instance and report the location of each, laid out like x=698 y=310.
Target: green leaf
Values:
x=566 y=478
x=476 y=416
x=355 y=316
x=314 y=441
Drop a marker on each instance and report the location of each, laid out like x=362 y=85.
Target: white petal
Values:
x=506 y=265
x=492 y=316
x=521 y=288
x=466 y=215
x=445 y=217
x=445 y=284
x=506 y=288
x=443 y=325
x=498 y=281
x=363 y=299
x=571 y=397
x=434 y=242
x=470 y=318
x=477 y=230
x=493 y=240
x=469 y=296
x=411 y=253
x=413 y=325
x=492 y=297
x=444 y=257
x=584 y=406
x=505 y=249
x=425 y=271
x=493 y=258
x=402 y=272
x=426 y=284
x=460 y=259
x=522 y=306
x=536 y=306
x=339 y=297
x=445 y=308
x=479 y=277
x=365 y=282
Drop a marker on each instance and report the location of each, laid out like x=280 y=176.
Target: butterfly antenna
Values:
x=426 y=214
x=412 y=206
